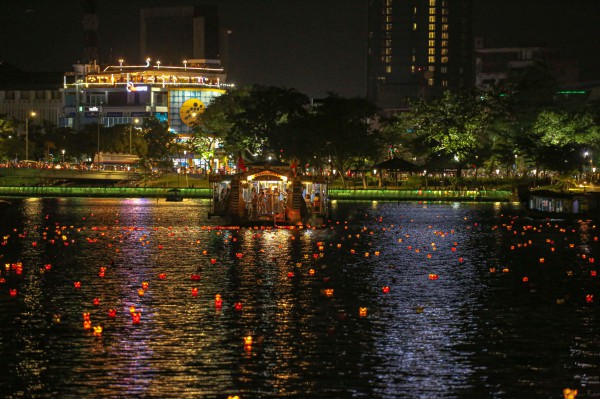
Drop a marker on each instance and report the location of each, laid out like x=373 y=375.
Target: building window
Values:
x=430 y=82
x=414 y=26
x=388 y=18
x=431 y=68
x=388 y=51
x=431 y=59
x=388 y=69
x=431 y=3
x=388 y=26
x=415 y=10
x=444 y=27
x=431 y=27
x=431 y=51
x=388 y=43
x=431 y=43
x=445 y=35
x=444 y=11
x=432 y=11
x=432 y=35
x=444 y=43
x=388 y=3
x=444 y=51
x=388 y=59
x=444 y=69
x=413 y=69
x=432 y=18
x=444 y=60
x=444 y=20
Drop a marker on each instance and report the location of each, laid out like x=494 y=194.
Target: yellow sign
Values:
x=190 y=110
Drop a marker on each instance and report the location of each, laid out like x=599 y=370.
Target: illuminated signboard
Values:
x=131 y=87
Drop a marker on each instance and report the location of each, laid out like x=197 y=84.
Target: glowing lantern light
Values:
x=352 y=251
x=239 y=255
x=112 y=313
x=86 y=316
x=311 y=272
x=144 y=285
x=87 y=324
x=328 y=292
x=362 y=312
x=96 y=302
x=160 y=247
x=162 y=276
x=56 y=318
x=141 y=292
x=591 y=260
x=238 y=306
x=433 y=276
x=135 y=318
x=218 y=301
x=195 y=277
x=248 y=342
x=102 y=272
x=569 y=393
x=589 y=298
x=213 y=261
x=505 y=270
x=77 y=284
x=13 y=292
x=97 y=331
x=48 y=267
x=460 y=260
x=593 y=273
x=132 y=309
x=386 y=290
x=525 y=279
x=419 y=309
x=453 y=249
x=542 y=260
x=194 y=291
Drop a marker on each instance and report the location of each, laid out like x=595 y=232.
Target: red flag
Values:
x=240 y=164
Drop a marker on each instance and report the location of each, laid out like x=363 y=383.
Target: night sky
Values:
x=315 y=46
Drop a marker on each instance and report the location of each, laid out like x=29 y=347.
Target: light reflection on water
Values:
x=469 y=333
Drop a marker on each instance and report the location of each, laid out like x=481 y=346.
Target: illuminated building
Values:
x=417 y=48
x=119 y=94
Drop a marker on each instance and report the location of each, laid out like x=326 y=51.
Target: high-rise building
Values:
x=417 y=48
x=174 y=34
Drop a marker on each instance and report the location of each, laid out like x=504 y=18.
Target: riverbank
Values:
x=334 y=194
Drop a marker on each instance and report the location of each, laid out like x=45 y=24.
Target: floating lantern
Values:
x=248 y=341
x=505 y=270
x=77 y=284
x=87 y=324
x=96 y=301
x=569 y=393
x=102 y=272
x=213 y=261
x=311 y=272
x=542 y=260
x=48 y=267
x=112 y=313
x=591 y=260
x=239 y=255
x=433 y=276
x=218 y=301
x=328 y=292
x=362 y=312
x=144 y=285
x=419 y=309
x=195 y=277
x=237 y=306
x=56 y=318
x=593 y=273
x=352 y=251
x=135 y=317
x=525 y=279
x=97 y=331
x=290 y=274
x=86 y=316
x=194 y=291
x=453 y=249
x=141 y=292
x=12 y=292
x=162 y=276
x=132 y=309
x=589 y=298
x=460 y=260
x=386 y=290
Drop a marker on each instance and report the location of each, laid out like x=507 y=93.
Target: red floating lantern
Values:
x=238 y=306
x=433 y=276
x=218 y=301
x=87 y=324
x=589 y=298
x=195 y=277
x=13 y=292
x=135 y=317
x=213 y=261
x=112 y=313
x=386 y=290
x=162 y=276
x=362 y=312
x=290 y=274
x=525 y=279
x=144 y=285
x=593 y=273
x=96 y=302
x=77 y=284
x=194 y=291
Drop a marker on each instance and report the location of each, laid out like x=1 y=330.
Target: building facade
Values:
x=417 y=48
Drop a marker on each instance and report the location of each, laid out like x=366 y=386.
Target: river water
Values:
x=461 y=300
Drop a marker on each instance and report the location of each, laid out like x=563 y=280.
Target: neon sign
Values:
x=131 y=87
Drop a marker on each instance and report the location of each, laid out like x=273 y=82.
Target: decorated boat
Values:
x=270 y=194
x=547 y=204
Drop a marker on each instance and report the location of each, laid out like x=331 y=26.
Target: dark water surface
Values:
x=459 y=321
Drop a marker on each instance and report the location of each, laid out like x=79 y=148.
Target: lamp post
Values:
x=32 y=115
x=135 y=121
x=63 y=155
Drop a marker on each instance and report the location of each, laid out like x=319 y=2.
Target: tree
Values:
x=161 y=143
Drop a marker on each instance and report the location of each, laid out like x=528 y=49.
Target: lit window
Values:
x=444 y=51
x=388 y=50
x=432 y=18
x=430 y=82
x=415 y=10
x=431 y=27
x=444 y=27
x=444 y=60
x=431 y=68
x=432 y=11
x=431 y=59
x=445 y=20
x=413 y=69
x=388 y=18
x=445 y=83
x=388 y=10
x=431 y=51
x=431 y=43
x=388 y=69
x=432 y=35
x=431 y=3
x=444 y=43
x=444 y=69
x=388 y=26
x=388 y=43
x=414 y=26
x=388 y=3
x=388 y=59
x=444 y=11
x=445 y=35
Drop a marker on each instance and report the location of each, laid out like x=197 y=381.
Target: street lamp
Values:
x=135 y=121
x=63 y=155
x=32 y=115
